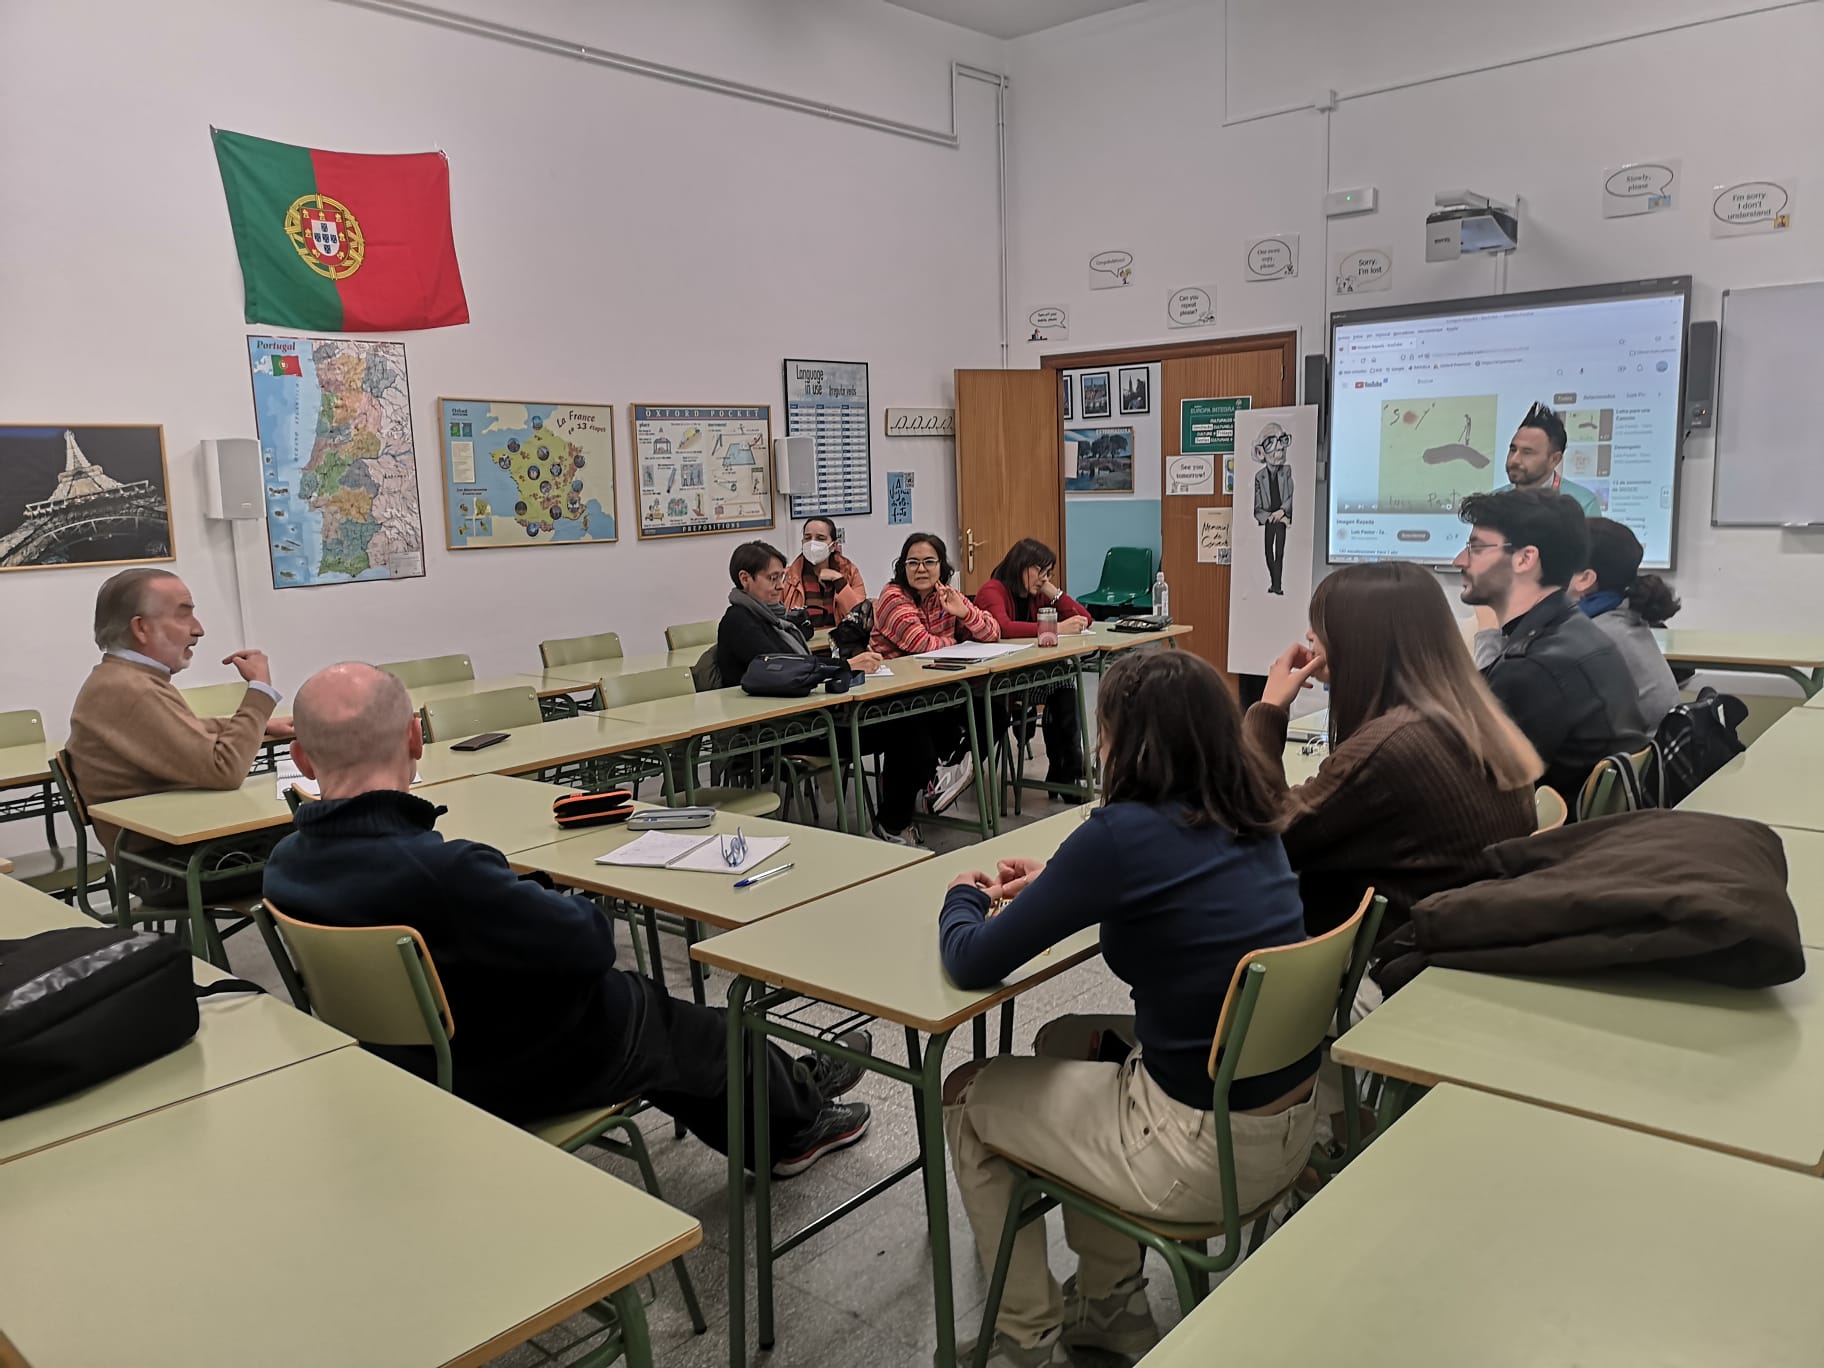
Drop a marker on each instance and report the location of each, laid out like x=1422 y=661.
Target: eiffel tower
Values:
x=87 y=504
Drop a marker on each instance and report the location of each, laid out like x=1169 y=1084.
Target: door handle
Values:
x=969 y=545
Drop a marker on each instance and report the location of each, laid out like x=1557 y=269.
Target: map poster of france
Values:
x=335 y=425
x=517 y=473
x=703 y=468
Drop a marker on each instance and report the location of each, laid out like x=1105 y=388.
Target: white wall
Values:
x=1119 y=142
x=621 y=239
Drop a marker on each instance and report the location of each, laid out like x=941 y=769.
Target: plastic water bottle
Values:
x=1162 y=596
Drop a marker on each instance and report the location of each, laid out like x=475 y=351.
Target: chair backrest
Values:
x=684 y=635
x=22 y=728
x=215 y=700
x=415 y=674
x=1551 y=808
x=569 y=650
x=469 y=714
x=1128 y=568
x=619 y=691
x=63 y=770
x=1283 y=1000
x=377 y=983
x=1613 y=786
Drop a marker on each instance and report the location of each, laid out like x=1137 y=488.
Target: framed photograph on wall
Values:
x=1136 y=389
x=1097 y=400
x=1068 y=415
x=1104 y=461
x=83 y=494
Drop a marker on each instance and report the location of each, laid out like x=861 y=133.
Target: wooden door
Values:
x=1265 y=370
x=1009 y=466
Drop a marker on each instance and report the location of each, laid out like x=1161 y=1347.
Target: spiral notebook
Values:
x=691 y=850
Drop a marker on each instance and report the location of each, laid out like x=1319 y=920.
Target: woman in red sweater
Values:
x=919 y=611
x=1012 y=595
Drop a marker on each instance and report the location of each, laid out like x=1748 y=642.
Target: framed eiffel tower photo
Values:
x=83 y=494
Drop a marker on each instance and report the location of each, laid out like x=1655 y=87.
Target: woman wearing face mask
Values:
x=755 y=623
x=821 y=580
x=919 y=611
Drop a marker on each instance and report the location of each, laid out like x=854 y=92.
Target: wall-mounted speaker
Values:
x=795 y=465
x=232 y=479
x=1700 y=376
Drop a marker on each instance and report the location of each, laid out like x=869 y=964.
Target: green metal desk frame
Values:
x=911 y=703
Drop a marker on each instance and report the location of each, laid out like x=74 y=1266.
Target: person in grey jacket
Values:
x=1627 y=606
x=1273 y=498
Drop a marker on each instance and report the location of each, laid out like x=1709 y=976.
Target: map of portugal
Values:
x=341 y=475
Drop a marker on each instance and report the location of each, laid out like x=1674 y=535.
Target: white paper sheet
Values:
x=976 y=650
x=707 y=858
x=656 y=849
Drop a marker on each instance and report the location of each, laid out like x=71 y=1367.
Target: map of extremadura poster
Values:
x=517 y=473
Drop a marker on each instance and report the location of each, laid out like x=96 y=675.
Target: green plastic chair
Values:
x=379 y=984
x=687 y=634
x=1551 y=808
x=1278 y=1009
x=674 y=681
x=472 y=714
x=416 y=674
x=569 y=650
x=1127 y=581
x=68 y=873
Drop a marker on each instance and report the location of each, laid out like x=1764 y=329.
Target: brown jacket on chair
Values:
x=132 y=733
x=1689 y=893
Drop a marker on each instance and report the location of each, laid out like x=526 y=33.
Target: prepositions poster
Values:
x=827 y=401
x=703 y=468
x=1274 y=516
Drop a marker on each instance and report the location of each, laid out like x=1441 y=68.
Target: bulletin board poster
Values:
x=521 y=473
x=703 y=467
x=1207 y=426
x=827 y=401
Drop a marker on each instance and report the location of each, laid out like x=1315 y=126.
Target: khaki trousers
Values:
x=1109 y=1130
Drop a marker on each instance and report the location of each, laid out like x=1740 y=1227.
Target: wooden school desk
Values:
x=337 y=1213
x=874 y=951
x=1482 y=1231
x=1730 y=1069
x=546 y=684
x=1799 y=658
x=1805 y=881
x=497 y=810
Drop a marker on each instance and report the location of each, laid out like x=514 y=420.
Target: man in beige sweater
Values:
x=132 y=733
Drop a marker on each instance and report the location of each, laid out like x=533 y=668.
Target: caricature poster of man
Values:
x=1270 y=585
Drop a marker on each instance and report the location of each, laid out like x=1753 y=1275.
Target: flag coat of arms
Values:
x=341 y=241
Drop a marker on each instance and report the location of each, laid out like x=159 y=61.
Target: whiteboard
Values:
x=1769 y=468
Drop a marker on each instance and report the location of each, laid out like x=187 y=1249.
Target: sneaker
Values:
x=838 y=1125
x=1122 y=1322
x=907 y=835
x=833 y=1077
x=1047 y=1353
x=953 y=782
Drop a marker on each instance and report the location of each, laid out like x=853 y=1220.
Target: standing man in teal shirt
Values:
x=1535 y=460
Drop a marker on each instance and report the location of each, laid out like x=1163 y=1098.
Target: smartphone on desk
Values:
x=947 y=665
x=482 y=742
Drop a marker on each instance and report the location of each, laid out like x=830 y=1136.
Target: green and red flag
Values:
x=341 y=241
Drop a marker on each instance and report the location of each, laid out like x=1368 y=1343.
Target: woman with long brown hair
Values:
x=1425 y=768
x=1182 y=869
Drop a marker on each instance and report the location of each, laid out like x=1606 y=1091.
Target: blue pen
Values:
x=752 y=879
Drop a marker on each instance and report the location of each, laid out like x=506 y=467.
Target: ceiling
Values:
x=1011 y=18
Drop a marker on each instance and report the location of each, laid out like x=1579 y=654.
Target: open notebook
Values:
x=692 y=850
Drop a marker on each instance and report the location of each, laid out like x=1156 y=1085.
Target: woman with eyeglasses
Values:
x=920 y=610
x=1012 y=595
x=756 y=621
x=822 y=581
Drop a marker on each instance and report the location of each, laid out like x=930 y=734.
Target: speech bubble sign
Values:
x=1273 y=258
x=1190 y=475
x=1111 y=270
x=1639 y=188
x=1194 y=306
x=1048 y=324
x=1364 y=271
x=1762 y=206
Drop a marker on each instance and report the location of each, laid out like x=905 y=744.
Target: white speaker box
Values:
x=231 y=479
x=795 y=464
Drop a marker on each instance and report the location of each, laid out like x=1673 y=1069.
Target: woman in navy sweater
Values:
x=1183 y=870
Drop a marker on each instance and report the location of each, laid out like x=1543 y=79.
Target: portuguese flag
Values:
x=340 y=241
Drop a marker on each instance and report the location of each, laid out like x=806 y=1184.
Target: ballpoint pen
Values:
x=763 y=874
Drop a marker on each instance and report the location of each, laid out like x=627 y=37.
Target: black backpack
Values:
x=80 y=1004
x=1695 y=740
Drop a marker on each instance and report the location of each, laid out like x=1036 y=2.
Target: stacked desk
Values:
x=1798 y=658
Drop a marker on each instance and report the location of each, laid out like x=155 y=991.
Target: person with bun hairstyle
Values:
x=1627 y=606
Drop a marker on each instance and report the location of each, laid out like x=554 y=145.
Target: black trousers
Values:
x=1276 y=552
x=1058 y=725
x=677 y=1059
x=910 y=748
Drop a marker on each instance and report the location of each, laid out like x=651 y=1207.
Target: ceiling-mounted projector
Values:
x=1467 y=222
